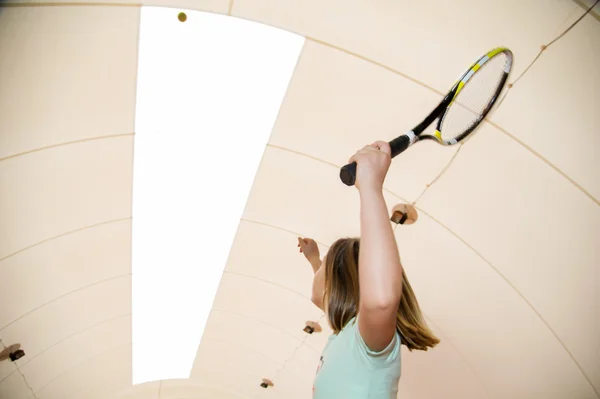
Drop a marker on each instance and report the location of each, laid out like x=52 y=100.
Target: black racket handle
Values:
x=398 y=145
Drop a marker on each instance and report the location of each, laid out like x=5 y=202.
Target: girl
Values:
x=363 y=290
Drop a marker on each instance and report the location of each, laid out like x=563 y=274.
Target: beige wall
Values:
x=504 y=256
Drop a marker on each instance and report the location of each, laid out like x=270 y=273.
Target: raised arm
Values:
x=380 y=270
x=310 y=250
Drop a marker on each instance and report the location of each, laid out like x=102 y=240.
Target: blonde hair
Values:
x=342 y=293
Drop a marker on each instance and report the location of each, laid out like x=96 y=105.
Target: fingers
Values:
x=383 y=146
x=353 y=158
x=375 y=147
x=358 y=154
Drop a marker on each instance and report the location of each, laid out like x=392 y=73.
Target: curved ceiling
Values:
x=504 y=256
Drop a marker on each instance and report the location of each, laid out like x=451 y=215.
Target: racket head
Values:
x=473 y=96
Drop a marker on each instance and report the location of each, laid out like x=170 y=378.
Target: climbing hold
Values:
x=404 y=214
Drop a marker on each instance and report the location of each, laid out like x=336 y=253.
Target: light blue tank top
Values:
x=348 y=369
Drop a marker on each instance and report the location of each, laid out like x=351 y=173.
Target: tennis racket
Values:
x=462 y=109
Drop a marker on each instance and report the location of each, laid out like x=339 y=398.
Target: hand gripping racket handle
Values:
x=399 y=144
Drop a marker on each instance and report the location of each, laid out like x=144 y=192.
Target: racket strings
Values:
x=470 y=104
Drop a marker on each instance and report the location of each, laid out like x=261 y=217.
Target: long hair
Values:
x=342 y=293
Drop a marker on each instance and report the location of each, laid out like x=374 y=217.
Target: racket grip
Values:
x=401 y=143
x=348 y=174
x=398 y=145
